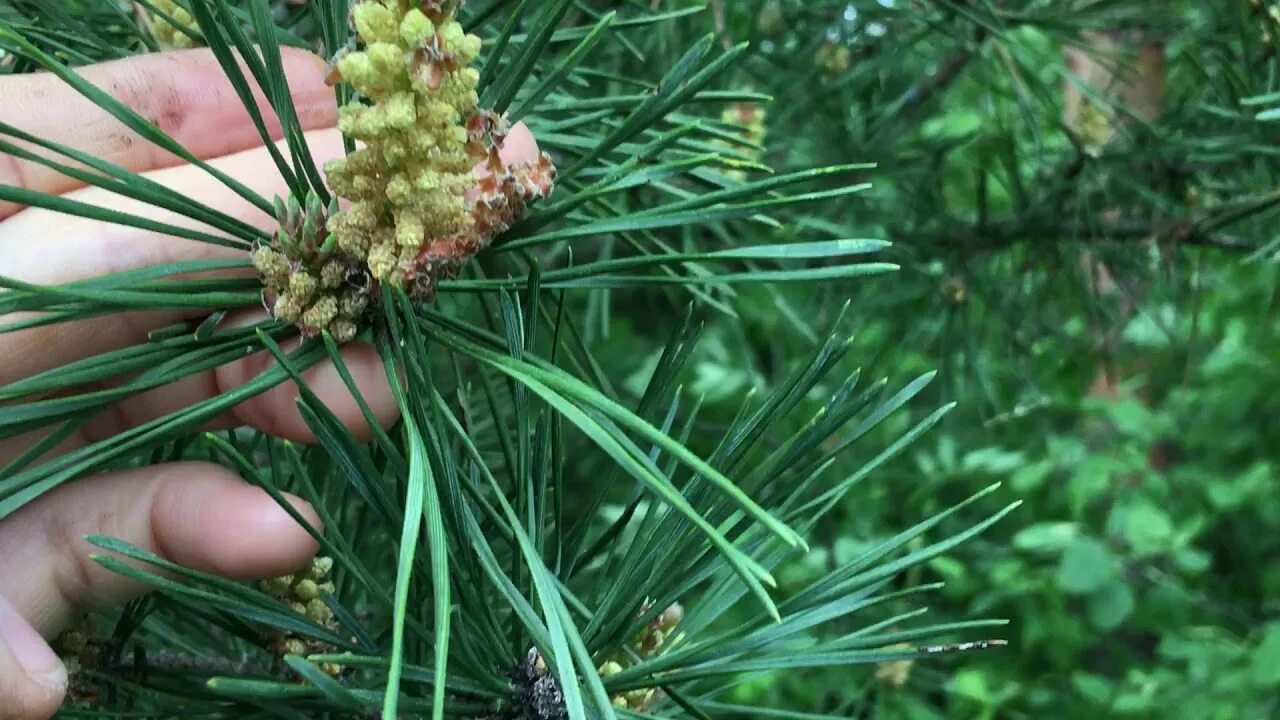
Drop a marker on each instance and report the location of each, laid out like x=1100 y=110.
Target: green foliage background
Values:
x=1139 y=576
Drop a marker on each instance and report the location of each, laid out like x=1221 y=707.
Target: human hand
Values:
x=195 y=514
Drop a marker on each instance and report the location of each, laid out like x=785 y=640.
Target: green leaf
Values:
x=415 y=501
x=563 y=68
x=1110 y=605
x=1147 y=528
x=1264 y=662
x=321 y=681
x=1086 y=566
x=1046 y=537
x=438 y=543
x=500 y=96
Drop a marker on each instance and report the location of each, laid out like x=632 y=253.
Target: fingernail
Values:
x=30 y=650
x=277 y=515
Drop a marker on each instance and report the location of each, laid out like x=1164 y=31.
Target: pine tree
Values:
x=535 y=537
x=1035 y=161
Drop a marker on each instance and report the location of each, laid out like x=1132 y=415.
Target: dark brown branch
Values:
x=164 y=661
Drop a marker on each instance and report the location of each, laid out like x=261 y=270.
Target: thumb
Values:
x=32 y=678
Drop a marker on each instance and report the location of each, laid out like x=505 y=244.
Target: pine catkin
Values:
x=656 y=638
x=168 y=35
x=750 y=120
x=416 y=208
x=303 y=592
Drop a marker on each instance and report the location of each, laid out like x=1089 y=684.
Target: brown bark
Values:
x=1127 y=73
x=1121 y=67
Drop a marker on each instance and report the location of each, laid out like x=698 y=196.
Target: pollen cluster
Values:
x=427 y=187
x=895 y=673
x=167 y=35
x=303 y=592
x=656 y=638
x=82 y=651
x=750 y=119
x=834 y=59
x=309 y=283
x=418 y=206
x=408 y=181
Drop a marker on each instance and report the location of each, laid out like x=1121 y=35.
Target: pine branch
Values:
x=478 y=567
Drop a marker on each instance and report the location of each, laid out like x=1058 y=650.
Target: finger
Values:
x=197 y=515
x=77 y=248
x=521 y=146
x=185 y=94
x=73 y=248
x=82 y=248
x=275 y=411
x=32 y=678
x=91 y=248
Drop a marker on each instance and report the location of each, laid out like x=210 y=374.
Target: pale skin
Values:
x=198 y=515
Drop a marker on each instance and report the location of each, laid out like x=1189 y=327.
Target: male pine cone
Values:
x=417 y=208
x=173 y=27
